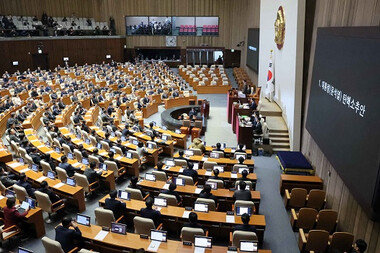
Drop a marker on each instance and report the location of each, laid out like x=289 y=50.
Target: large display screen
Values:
x=167 y=25
x=253 y=49
x=344 y=108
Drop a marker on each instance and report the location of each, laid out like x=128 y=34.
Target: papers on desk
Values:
x=14 y=165
x=41 y=179
x=153 y=246
x=1 y=197
x=230 y=219
x=166 y=187
x=233 y=150
x=199 y=250
x=24 y=170
x=33 y=141
x=180 y=170
x=208 y=173
x=197 y=190
x=76 y=164
x=101 y=235
x=233 y=175
x=186 y=214
x=50 y=151
x=58 y=185
x=204 y=159
x=119 y=158
x=75 y=139
x=40 y=146
x=103 y=153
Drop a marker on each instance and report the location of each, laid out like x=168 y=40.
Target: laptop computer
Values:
x=179 y=181
x=57 y=149
x=248 y=246
x=34 y=167
x=99 y=146
x=164 y=137
x=88 y=141
x=247 y=187
x=123 y=195
x=196 y=166
x=70 y=156
x=135 y=142
x=24 y=206
x=201 y=207
x=150 y=177
x=240 y=210
x=23 y=250
x=113 y=150
x=103 y=166
x=160 y=202
x=158 y=235
x=123 y=138
x=21 y=160
x=85 y=161
x=150 y=146
x=202 y=241
x=31 y=202
x=214 y=185
x=51 y=175
x=83 y=220
x=214 y=155
x=9 y=193
x=128 y=155
x=238 y=156
x=118 y=228
x=70 y=181
x=220 y=168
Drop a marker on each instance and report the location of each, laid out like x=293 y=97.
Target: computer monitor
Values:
x=70 y=181
x=70 y=156
x=88 y=141
x=170 y=163
x=196 y=166
x=129 y=155
x=201 y=207
x=21 y=160
x=57 y=149
x=24 y=206
x=51 y=175
x=202 y=241
x=243 y=169
x=23 y=250
x=160 y=202
x=103 y=166
x=34 y=167
x=164 y=137
x=214 y=155
x=158 y=235
x=31 y=202
x=123 y=138
x=123 y=195
x=189 y=152
x=242 y=155
x=150 y=177
x=118 y=228
x=179 y=181
x=9 y=193
x=99 y=146
x=214 y=185
x=78 y=136
x=83 y=219
x=240 y=210
x=177 y=131
x=135 y=142
x=220 y=168
x=248 y=246
x=150 y=146
x=85 y=161
x=113 y=150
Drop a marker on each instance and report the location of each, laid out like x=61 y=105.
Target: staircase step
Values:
x=280 y=149
x=280 y=145
x=280 y=135
x=280 y=139
x=271 y=130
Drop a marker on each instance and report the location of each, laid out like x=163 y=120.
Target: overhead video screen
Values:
x=344 y=108
x=253 y=49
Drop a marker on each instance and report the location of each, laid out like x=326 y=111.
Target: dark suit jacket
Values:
x=208 y=196
x=66 y=237
x=193 y=225
x=151 y=214
x=28 y=187
x=176 y=194
x=242 y=195
x=244 y=227
x=91 y=175
x=52 y=196
x=117 y=207
x=70 y=170
x=191 y=173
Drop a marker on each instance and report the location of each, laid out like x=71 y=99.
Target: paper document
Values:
x=166 y=187
x=208 y=173
x=186 y=214
x=199 y=250
x=101 y=235
x=153 y=246
x=58 y=185
x=233 y=175
x=14 y=165
x=230 y=218
x=24 y=170
x=197 y=190
x=76 y=164
x=41 y=179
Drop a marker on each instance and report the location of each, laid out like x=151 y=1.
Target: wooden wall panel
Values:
x=79 y=51
x=352 y=218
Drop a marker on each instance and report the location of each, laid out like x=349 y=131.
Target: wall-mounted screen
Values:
x=253 y=49
x=176 y=25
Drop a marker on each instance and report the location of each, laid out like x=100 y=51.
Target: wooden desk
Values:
x=212 y=89
x=190 y=193
x=150 y=110
x=230 y=100
x=238 y=111
x=229 y=152
x=5 y=155
x=5 y=116
x=244 y=135
x=113 y=243
x=179 y=101
x=299 y=181
x=91 y=115
x=209 y=219
x=34 y=218
x=180 y=139
x=167 y=146
x=63 y=119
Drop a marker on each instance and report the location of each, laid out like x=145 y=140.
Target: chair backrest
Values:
x=210 y=202
x=238 y=153
x=134 y=153
x=244 y=203
x=209 y=165
x=57 y=143
x=247 y=182
x=104 y=217
x=82 y=181
x=118 y=150
x=188 y=180
x=28 y=159
x=196 y=151
x=317 y=240
x=43 y=201
x=78 y=155
x=186 y=123
x=172 y=200
x=316 y=199
x=22 y=152
x=45 y=167
x=66 y=149
x=306 y=218
x=219 y=182
x=154 y=145
x=51 y=246
x=2 y=188
x=180 y=162
x=105 y=145
x=236 y=167
x=160 y=175
x=221 y=154
x=111 y=165
x=297 y=198
x=135 y=193
x=238 y=236
x=341 y=241
x=188 y=234
x=327 y=220
x=198 y=124
x=143 y=225
x=20 y=192
x=61 y=174
x=93 y=140
x=92 y=158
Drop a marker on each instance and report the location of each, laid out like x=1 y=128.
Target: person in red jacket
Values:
x=11 y=215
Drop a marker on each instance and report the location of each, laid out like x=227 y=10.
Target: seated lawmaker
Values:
x=28 y=187
x=52 y=196
x=206 y=193
x=193 y=222
x=67 y=237
x=245 y=226
x=117 y=207
x=134 y=185
x=242 y=193
x=150 y=213
x=172 y=191
x=91 y=174
x=189 y=171
x=11 y=214
x=70 y=170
